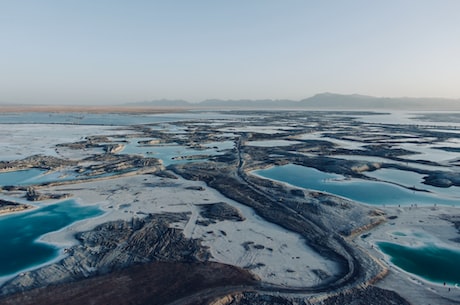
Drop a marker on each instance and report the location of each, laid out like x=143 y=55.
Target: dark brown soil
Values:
x=154 y=283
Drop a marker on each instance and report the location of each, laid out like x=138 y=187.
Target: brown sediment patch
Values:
x=89 y=109
x=153 y=283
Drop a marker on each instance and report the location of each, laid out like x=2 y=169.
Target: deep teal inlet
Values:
x=431 y=262
x=19 y=233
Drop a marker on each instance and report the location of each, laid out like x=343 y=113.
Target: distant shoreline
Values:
x=322 y=101
x=90 y=109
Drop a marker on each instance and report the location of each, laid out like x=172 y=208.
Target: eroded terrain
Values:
x=184 y=192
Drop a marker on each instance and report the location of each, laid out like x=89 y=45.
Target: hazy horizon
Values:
x=115 y=52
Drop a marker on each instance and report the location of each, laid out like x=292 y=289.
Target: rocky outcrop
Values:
x=150 y=142
x=191 y=157
x=10 y=207
x=166 y=174
x=33 y=195
x=455 y=220
x=220 y=211
x=110 y=163
x=442 y=179
x=113 y=148
x=35 y=161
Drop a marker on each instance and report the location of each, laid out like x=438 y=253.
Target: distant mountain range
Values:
x=319 y=101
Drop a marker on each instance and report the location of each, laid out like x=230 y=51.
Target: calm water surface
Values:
x=431 y=262
x=368 y=192
x=19 y=234
x=20 y=177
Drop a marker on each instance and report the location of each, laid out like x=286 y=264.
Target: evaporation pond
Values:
x=19 y=234
x=430 y=262
x=34 y=176
x=364 y=191
x=19 y=177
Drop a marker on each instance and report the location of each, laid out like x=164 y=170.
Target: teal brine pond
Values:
x=19 y=234
x=364 y=191
x=20 y=177
x=433 y=263
x=34 y=176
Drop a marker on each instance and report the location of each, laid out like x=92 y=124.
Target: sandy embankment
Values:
x=274 y=254
x=420 y=225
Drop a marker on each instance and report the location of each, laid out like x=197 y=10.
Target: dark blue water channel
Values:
x=19 y=248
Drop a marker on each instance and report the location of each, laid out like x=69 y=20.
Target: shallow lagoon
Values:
x=21 y=177
x=19 y=234
x=368 y=192
x=35 y=176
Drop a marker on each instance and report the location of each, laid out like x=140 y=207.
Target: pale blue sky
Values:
x=110 y=51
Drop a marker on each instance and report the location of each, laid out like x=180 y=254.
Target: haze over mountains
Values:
x=322 y=101
x=319 y=101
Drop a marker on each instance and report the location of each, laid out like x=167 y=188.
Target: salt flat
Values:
x=276 y=255
x=19 y=141
x=278 y=249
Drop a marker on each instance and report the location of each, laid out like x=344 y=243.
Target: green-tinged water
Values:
x=430 y=262
x=19 y=233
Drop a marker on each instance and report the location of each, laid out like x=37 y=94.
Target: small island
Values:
x=7 y=207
